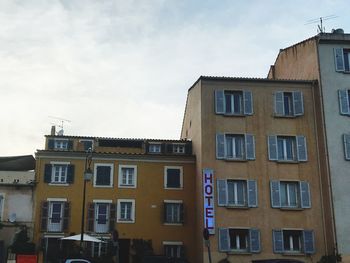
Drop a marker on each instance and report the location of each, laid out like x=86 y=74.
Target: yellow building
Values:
x=258 y=188
x=141 y=188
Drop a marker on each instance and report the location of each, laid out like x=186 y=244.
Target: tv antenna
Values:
x=63 y=121
x=320 y=27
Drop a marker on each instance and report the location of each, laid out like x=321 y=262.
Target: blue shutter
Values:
x=309 y=242
x=305 y=195
x=272 y=147
x=301 y=148
x=220 y=146
x=70 y=145
x=279 y=105
x=298 y=103
x=222 y=192
x=344 y=102
x=277 y=241
x=219 y=102
x=339 y=59
x=248 y=102
x=224 y=240
x=51 y=144
x=252 y=193
x=250 y=147
x=254 y=240
x=70 y=174
x=275 y=194
x=47 y=173
x=346 y=140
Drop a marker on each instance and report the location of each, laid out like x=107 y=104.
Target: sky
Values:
x=122 y=68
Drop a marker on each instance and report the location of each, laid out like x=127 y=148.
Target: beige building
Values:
x=258 y=186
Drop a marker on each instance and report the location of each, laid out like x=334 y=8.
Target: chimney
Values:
x=53 y=130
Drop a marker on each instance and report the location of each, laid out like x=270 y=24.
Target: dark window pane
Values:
x=173 y=178
x=103 y=176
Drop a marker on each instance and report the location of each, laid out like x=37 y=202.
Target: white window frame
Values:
x=245 y=193
x=2 y=205
x=178 y=244
x=247 y=249
x=179 y=202
x=232 y=93
x=111 y=175
x=101 y=247
x=166 y=178
x=119 y=207
x=294 y=148
x=300 y=231
x=55 y=227
x=120 y=176
x=153 y=146
x=179 y=148
x=295 y=184
x=235 y=138
x=58 y=144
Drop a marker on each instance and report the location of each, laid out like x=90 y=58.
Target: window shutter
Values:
x=188 y=148
x=66 y=216
x=305 y=195
x=169 y=148
x=182 y=213
x=111 y=216
x=222 y=192
x=301 y=148
x=51 y=144
x=252 y=193
x=70 y=174
x=254 y=239
x=250 y=147
x=164 y=212
x=279 y=105
x=219 y=102
x=44 y=215
x=344 y=102
x=224 y=240
x=248 y=102
x=47 y=173
x=277 y=241
x=91 y=217
x=70 y=145
x=339 y=59
x=309 y=242
x=220 y=146
x=298 y=103
x=275 y=194
x=272 y=147
x=346 y=139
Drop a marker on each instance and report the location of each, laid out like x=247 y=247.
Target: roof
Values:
x=17 y=163
x=110 y=138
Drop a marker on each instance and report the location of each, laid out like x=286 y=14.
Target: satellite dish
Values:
x=60 y=132
x=12 y=218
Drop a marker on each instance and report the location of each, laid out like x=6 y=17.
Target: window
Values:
x=59 y=173
x=55 y=215
x=126 y=211
x=1 y=207
x=346 y=141
x=103 y=175
x=87 y=144
x=98 y=249
x=239 y=240
x=287 y=148
x=173 y=249
x=101 y=216
x=60 y=144
x=127 y=176
x=290 y=194
x=293 y=241
x=173 y=177
x=344 y=98
x=289 y=104
x=154 y=148
x=235 y=146
x=173 y=212
x=237 y=193
x=231 y=102
x=342 y=59
x=178 y=148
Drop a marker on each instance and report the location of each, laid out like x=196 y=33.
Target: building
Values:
x=141 y=188
x=258 y=187
x=16 y=199
x=325 y=57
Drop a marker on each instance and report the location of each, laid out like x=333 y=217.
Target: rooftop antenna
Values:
x=320 y=27
x=63 y=121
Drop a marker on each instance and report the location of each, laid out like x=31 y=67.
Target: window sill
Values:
x=126 y=186
x=173 y=188
x=286 y=116
x=292 y=208
x=173 y=224
x=240 y=252
x=58 y=184
x=235 y=160
x=103 y=186
x=234 y=114
x=291 y=253
x=287 y=161
x=237 y=207
x=125 y=221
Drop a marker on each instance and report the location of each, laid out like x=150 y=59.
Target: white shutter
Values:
x=279 y=105
x=224 y=239
x=339 y=59
x=250 y=147
x=219 y=102
x=346 y=140
x=222 y=192
x=298 y=103
x=220 y=146
x=248 y=102
x=344 y=102
x=272 y=147
x=301 y=148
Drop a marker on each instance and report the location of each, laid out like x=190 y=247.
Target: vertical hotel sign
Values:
x=208 y=199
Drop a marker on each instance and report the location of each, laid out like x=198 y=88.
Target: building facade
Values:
x=143 y=189
x=17 y=184
x=258 y=172
x=325 y=58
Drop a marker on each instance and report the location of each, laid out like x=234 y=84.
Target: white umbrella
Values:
x=85 y=238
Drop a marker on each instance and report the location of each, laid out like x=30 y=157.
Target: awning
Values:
x=86 y=238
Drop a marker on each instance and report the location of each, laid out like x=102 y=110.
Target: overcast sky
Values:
x=123 y=68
